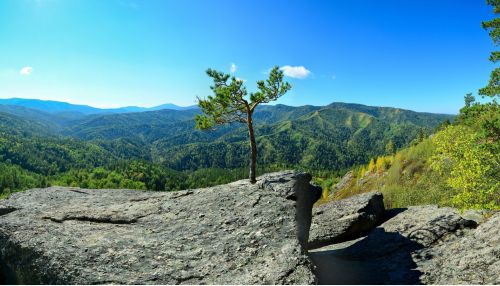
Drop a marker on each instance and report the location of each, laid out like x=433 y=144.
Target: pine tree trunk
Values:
x=253 y=146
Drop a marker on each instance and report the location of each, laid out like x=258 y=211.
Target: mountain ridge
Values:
x=159 y=149
x=53 y=106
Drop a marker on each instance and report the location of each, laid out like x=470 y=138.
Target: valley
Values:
x=161 y=150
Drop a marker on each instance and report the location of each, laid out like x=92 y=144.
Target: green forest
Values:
x=161 y=150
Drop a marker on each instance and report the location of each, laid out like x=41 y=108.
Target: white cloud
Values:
x=296 y=72
x=26 y=71
x=233 y=68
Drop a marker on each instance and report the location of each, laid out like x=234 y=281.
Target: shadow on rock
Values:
x=391 y=213
x=379 y=258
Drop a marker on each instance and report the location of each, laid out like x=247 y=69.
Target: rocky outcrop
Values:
x=240 y=234
x=425 y=225
x=473 y=258
x=401 y=250
x=231 y=234
x=344 y=182
x=345 y=219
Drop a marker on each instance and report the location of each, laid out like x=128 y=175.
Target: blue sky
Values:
x=420 y=55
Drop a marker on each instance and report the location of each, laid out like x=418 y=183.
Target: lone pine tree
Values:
x=231 y=103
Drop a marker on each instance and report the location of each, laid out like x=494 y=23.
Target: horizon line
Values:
x=195 y=105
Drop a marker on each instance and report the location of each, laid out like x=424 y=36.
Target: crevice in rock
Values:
x=180 y=194
x=105 y=282
x=257 y=201
x=284 y=277
x=7 y=210
x=144 y=199
x=108 y=220
x=190 y=278
x=97 y=219
x=78 y=191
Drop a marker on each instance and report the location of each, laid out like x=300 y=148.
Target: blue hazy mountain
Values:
x=59 y=107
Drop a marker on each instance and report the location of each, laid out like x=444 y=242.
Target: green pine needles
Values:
x=232 y=103
x=493 y=27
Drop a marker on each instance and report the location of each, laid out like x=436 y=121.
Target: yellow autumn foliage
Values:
x=472 y=165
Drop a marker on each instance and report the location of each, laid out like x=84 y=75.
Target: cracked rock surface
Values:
x=473 y=258
x=230 y=234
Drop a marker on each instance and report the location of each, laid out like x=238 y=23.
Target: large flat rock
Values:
x=231 y=234
x=345 y=219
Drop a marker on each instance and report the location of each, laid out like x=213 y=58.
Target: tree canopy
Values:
x=493 y=26
x=231 y=103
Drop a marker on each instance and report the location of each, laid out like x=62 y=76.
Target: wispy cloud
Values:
x=26 y=71
x=233 y=68
x=296 y=71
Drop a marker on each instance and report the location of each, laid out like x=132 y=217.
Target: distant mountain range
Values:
x=51 y=106
x=331 y=137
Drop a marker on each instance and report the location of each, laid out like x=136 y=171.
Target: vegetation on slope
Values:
x=458 y=166
x=329 y=138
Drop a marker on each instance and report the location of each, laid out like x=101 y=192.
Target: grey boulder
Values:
x=345 y=219
x=344 y=182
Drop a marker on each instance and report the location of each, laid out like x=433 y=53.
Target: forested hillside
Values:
x=457 y=166
x=331 y=137
x=161 y=150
